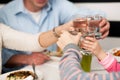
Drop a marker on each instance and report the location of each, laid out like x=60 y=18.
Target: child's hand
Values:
x=67 y=38
x=91 y=44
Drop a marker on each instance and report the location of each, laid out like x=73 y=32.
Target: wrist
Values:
x=28 y=60
x=101 y=55
x=58 y=30
x=55 y=32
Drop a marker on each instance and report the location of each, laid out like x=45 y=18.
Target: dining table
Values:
x=50 y=69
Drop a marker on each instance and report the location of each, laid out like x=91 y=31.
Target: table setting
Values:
x=50 y=69
x=46 y=71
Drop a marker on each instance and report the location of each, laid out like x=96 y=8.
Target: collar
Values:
x=19 y=7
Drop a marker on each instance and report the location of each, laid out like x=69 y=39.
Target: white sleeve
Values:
x=16 y=40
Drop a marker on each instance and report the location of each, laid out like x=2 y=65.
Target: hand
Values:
x=37 y=58
x=67 y=27
x=66 y=38
x=91 y=44
x=105 y=26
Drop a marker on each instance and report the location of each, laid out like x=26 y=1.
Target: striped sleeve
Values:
x=70 y=68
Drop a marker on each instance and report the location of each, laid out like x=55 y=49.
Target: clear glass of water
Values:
x=96 y=20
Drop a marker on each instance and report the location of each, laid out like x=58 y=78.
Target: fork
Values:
x=35 y=74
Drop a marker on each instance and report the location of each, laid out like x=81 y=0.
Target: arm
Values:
x=70 y=68
x=13 y=39
x=107 y=60
x=48 y=38
x=23 y=59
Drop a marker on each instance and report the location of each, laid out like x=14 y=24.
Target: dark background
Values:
x=115 y=25
x=95 y=0
x=5 y=1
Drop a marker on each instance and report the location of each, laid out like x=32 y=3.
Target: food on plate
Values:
x=20 y=75
x=58 y=54
x=117 y=53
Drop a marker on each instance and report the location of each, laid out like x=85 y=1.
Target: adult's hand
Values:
x=37 y=58
x=105 y=26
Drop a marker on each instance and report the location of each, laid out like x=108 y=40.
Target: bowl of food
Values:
x=21 y=75
x=115 y=52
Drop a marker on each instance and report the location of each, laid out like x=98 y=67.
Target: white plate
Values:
x=113 y=50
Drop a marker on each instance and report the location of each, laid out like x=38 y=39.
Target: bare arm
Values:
x=48 y=38
x=23 y=59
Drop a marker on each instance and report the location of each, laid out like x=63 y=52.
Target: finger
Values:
x=103 y=22
x=64 y=33
x=87 y=43
x=71 y=29
x=44 y=56
x=105 y=34
x=87 y=48
x=105 y=27
x=91 y=39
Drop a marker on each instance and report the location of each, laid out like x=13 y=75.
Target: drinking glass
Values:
x=94 y=22
x=86 y=62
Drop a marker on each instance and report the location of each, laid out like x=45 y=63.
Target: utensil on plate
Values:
x=35 y=74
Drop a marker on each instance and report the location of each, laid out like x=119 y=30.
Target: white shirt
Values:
x=35 y=15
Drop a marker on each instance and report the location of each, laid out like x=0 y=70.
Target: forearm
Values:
x=48 y=38
x=101 y=55
x=17 y=60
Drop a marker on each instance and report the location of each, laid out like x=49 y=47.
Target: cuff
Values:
x=71 y=46
x=107 y=61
